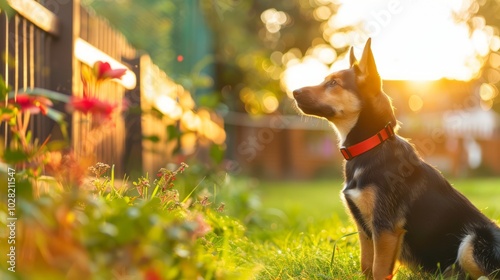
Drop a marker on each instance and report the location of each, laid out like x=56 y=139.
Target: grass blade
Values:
x=189 y=195
x=335 y=245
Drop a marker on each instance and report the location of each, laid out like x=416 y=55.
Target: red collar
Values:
x=368 y=144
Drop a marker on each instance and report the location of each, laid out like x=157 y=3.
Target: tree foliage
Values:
x=251 y=39
x=248 y=38
x=485 y=14
x=146 y=24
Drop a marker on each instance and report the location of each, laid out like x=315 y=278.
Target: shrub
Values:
x=143 y=231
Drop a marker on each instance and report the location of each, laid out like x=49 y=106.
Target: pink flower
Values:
x=103 y=71
x=31 y=103
x=91 y=105
x=202 y=227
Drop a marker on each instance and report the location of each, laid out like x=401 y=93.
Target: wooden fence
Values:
x=26 y=48
x=46 y=46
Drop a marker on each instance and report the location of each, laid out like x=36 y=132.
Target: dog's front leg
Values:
x=366 y=244
x=387 y=247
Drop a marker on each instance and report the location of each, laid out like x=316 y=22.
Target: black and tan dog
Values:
x=405 y=209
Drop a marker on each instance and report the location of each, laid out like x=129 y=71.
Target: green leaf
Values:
x=60 y=119
x=57 y=145
x=29 y=135
x=209 y=100
x=7 y=113
x=203 y=81
x=5 y=7
x=4 y=88
x=64 y=129
x=15 y=156
x=217 y=153
x=172 y=132
x=155 y=191
x=24 y=188
x=154 y=112
x=192 y=191
x=152 y=138
x=55 y=115
x=112 y=176
x=50 y=181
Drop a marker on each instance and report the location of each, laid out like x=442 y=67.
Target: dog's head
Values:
x=350 y=98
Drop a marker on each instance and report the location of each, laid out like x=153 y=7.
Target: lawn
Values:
x=306 y=221
x=321 y=199
x=228 y=228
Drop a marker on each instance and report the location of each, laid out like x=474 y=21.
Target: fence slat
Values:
x=37 y=14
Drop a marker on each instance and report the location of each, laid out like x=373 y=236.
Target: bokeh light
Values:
x=168 y=106
x=270 y=102
x=416 y=103
x=273 y=19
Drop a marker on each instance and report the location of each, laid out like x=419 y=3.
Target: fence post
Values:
x=63 y=64
x=133 y=154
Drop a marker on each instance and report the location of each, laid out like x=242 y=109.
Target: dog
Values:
x=405 y=210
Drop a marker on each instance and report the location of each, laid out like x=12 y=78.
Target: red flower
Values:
x=91 y=105
x=103 y=71
x=152 y=274
x=31 y=103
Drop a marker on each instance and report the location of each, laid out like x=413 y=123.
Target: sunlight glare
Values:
x=325 y=53
x=310 y=71
x=411 y=40
x=414 y=40
x=168 y=106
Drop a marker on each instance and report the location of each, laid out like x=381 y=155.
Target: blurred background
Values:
x=213 y=79
x=209 y=83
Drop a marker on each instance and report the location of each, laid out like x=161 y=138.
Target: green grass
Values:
x=309 y=199
x=484 y=193
x=303 y=222
x=320 y=199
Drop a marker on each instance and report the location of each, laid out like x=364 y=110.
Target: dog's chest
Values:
x=360 y=199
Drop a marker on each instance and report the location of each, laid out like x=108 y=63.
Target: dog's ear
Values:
x=352 y=58
x=367 y=63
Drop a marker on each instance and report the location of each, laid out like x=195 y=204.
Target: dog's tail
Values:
x=487 y=250
x=479 y=252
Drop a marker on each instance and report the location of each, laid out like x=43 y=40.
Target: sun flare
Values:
x=411 y=40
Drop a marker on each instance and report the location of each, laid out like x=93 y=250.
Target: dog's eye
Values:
x=331 y=83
